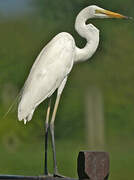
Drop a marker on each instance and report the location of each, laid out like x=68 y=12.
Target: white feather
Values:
x=49 y=70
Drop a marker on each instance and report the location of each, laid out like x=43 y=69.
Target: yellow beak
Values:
x=112 y=14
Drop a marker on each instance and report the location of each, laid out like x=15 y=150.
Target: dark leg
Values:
x=53 y=148
x=59 y=92
x=52 y=134
x=46 y=137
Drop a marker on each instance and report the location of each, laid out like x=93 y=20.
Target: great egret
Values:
x=53 y=65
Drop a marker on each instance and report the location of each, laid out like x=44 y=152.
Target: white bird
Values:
x=53 y=65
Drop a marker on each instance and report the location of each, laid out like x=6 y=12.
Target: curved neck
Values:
x=89 y=32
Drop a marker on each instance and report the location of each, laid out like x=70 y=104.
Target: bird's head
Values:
x=98 y=12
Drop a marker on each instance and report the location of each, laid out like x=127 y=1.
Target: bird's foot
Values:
x=47 y=175
x=58 y=175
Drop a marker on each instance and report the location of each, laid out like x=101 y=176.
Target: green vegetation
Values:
x=110 y=70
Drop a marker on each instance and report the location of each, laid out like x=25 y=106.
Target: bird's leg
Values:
x=52 y=133
x=46 y=136
x=60 y=89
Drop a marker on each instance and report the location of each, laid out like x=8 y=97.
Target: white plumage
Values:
x=53 y=65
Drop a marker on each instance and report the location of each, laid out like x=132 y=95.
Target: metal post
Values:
x=93 y=165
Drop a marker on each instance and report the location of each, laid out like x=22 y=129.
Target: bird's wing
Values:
x=47 y=73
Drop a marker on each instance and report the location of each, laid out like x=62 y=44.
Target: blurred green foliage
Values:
x=110 y=70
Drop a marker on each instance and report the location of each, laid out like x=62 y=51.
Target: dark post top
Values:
x=93 y=165
x=90 y=165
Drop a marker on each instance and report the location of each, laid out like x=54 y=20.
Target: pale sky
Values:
x=12 y=7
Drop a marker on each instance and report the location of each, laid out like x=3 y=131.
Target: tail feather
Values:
x=24 y=114
x=12 y=105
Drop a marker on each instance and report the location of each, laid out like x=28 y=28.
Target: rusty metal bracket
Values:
x=93 y=165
